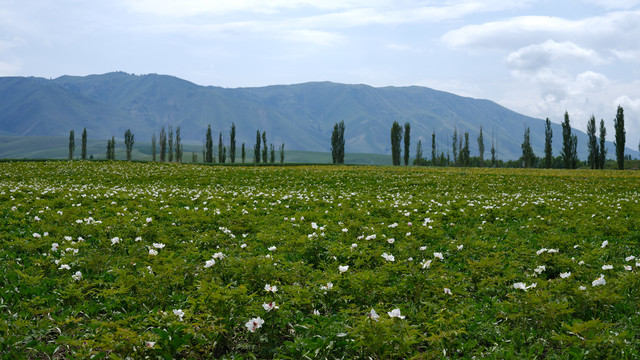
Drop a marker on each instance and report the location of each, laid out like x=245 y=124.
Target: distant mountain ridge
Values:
x=302 y=115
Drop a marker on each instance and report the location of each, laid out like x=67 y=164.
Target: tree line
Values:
x=567 y=159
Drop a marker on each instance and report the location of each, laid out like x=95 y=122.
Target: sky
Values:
x=539 y=58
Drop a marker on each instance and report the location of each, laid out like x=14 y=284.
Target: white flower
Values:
x=343 y=268
x=373 y=315
x=395 y=313
x=599 y=281
x=272 y=248
x=353 y=246
x=77 y=276
x=54 y=247
x=607 y=267
x=582 y=288
x=329 y=286
x=158 y=245
x=447 y=291
x=460 y=247
x=179 y=313
x=139 y=238
x=149 y=343
x=269 y=306
x=550 y=251
x=426 y=264
x=438 y=255
x=314 y=226
x=36 y=218
x=581 y=262
x=149 y=220
x=68 y=238
x=218 y=256
x=565 y=275
x=268 y=287
x=523 y=286
x=541 y=251
x=64 y=267
x=254 y=324
x=391 y=240
x=209 y=263
x=36 y=235
x=604 y=243
x=345 y=230
x=627 y=267
x=423 y=248
x=316 y=312
x=243 y=246
x=540 y=269
x=153 y=252
x=388 y=257
x=115 y=240
x=629 y=258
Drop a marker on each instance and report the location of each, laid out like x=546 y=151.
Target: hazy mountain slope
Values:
x=300 y=115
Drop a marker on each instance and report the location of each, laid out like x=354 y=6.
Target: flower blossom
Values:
x=565 y=275
x=447 y=291
x=115 y=240
x=77 y=276
x=388 y=257
x=523 y=286
x=373 y=315
x=395 y=313
x=158 y=245
x=64 y=267
x=54 y=247
x=329 y=286
x=269 y=306
x=272 y=248
x=426 y=264
x=438 y=255
x=268 y=287
x=209 y=263
x=153 y=252
x=343 y=268
x=179 y=313
x=254 y=324
x=599 y=281
x=607 y=267
x=604 y=243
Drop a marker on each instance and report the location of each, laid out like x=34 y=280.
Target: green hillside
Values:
x=302 y=116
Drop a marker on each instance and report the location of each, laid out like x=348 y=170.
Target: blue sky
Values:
x=540 y=58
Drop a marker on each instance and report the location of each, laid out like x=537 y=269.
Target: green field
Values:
x=147 y=260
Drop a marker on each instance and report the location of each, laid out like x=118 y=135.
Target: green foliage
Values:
x=128 y=143
x=548 y=141
x=407 y=142
x=620 y=139
x=569 y=145
x=528 y=157
x=83 y=153
x=163 y=144
x=232 y=144
x=208 y=156
x=175 y=261
x=72 y=144
x=396 y=138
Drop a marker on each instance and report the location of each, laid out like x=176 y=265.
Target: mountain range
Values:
x=302 y=115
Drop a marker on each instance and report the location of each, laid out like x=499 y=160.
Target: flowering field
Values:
x=115 y=259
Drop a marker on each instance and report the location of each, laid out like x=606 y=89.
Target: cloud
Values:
x=615 y=4
x=536 y=56
x=616 y=30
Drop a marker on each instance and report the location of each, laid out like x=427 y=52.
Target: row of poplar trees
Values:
x=111 y=145
x=261 y=153
x=568 y=155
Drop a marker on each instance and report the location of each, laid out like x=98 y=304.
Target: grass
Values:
x=147 y=260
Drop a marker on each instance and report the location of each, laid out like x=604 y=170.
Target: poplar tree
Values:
x=232 y=143
x=83 y=153
x=567 y=143
x=602 y=154
x=209 y=146
x=548 y=138
x=264 y=147
x=163 y=145
x=493 y=151
x=256 y=148
x=618 y=125
x=407 y=142
x=418 y=160
x=464 y=153
x=334 y=144
x=72 y=144
x=178 y=146
x=481 y=147
x=592 y=142
x=396 y=139
x=153 y=146
x=272 y=154
x=528 y=157
x=244 y=153
x=455 y=145
x=220 y=149
x=433 y=148
x=170 y=143
x=128 y=143
x=282 y=153
x=341 y=142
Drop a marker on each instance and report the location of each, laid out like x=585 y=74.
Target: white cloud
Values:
x=615 y=4
x=536 y=56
